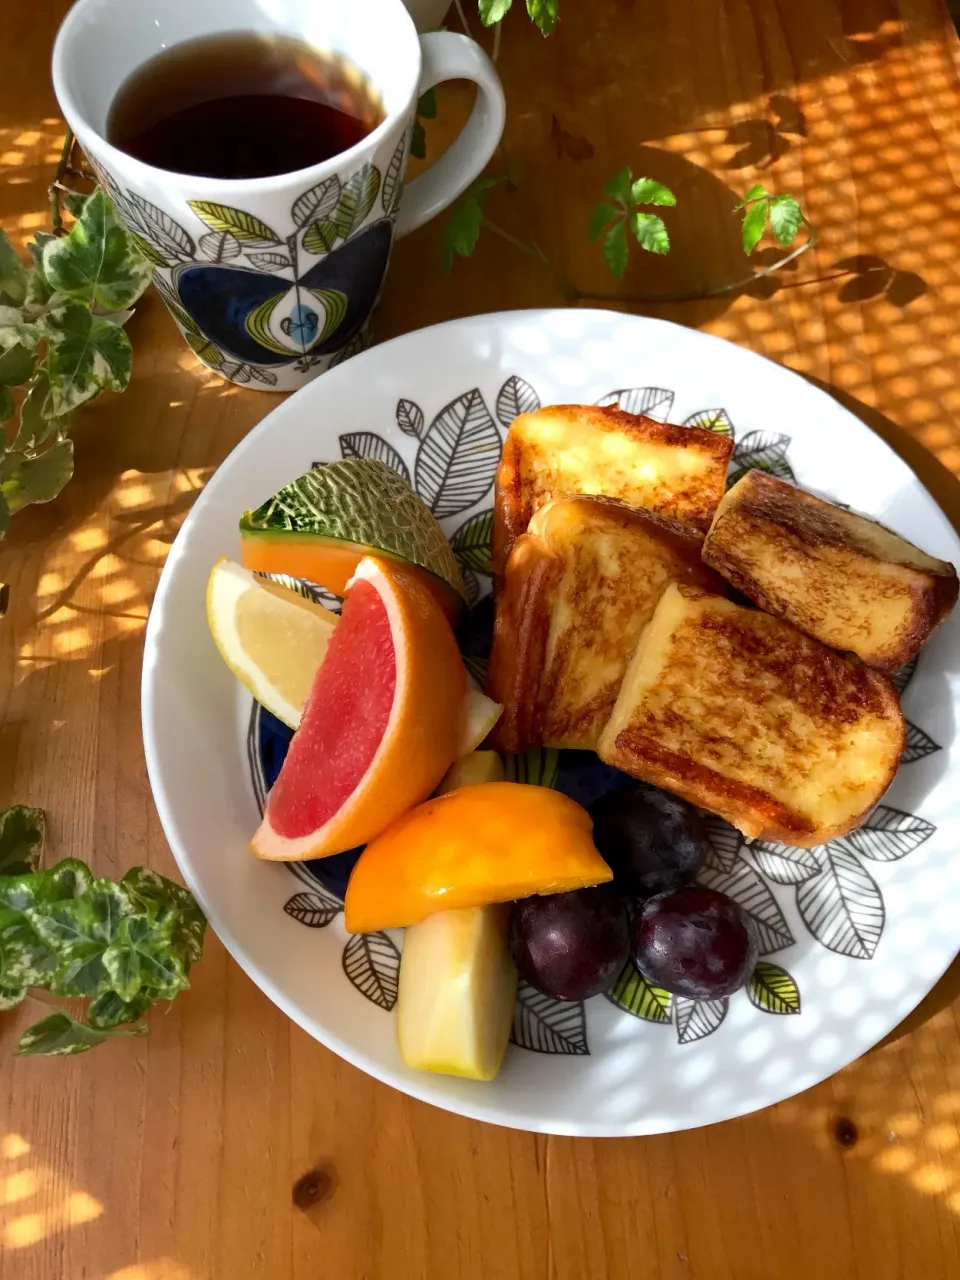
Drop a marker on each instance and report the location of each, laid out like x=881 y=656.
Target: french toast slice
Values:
x=578 y=588
x=836 y=575
x=743 y=714
x=678 y=472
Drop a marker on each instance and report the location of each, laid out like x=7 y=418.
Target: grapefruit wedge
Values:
x=380 y=726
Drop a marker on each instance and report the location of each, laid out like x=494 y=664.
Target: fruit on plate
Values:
x=841 y=578
x=380 y=726
x=570 y=945
x=478 y=715
x=272 y=639
x=743 y=714
x=321 y=526
x=696 y=943
x=458 y=982
x=458 y=985
x=652 y=841
x=471 y=770
x=477 y=845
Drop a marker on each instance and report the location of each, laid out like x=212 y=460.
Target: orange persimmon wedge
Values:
x=478 y=845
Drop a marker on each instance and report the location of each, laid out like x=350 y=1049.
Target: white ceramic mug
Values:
x=272 y=280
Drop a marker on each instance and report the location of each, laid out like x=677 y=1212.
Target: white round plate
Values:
x=854 y=933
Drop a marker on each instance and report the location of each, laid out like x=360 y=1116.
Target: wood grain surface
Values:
x=229 y=1145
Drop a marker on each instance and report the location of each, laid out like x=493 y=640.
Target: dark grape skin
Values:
x=696 y=943
x=653 y=842
x=570 y=945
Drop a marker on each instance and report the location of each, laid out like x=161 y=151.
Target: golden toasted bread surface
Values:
x=836 y=575
x=578 y=588
x=743 y=714
x=678 y=472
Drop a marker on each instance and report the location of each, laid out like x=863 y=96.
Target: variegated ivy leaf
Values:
x=21 y=839
x=58 y=1036
x=36 y=479
x=97 y=263
x=13 y=275
x=86 y=356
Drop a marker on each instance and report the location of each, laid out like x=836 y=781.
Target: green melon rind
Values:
x=360 y=501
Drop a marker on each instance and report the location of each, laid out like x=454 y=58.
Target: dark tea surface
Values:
x=242 y=105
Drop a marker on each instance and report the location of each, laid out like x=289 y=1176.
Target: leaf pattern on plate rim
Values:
x=716 y=420
x=782 y=863
x=372 y=963
x=652 y=402
x=471 y=586
x=516 y=396
x=725 y=842
x=841 y=905
x=887 y=835
x=903 y=677
x=746 y=887
x=367 y=444
x=761 y=451
x=545 y=1025
x=410 y=418
x=538 y=766
x=316 y=909
x=773 y=990
x=697 y=1019
x=638 y=996
x=458 y=459
x=471 y=542
x=477 y=666
x=919 y=744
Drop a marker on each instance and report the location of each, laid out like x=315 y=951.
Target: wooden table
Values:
x=228 y=1144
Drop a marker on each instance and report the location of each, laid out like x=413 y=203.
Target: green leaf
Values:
x=6 y=405
x=650 y=191
x=4 y=526
x=544 y=14
x=600 y=219
x=635 y=993
x=37 y=245
x=16 y=365
x=785 y=218
x=39 y=479
x=615 y=249
x=108 y=1010
x=618 y=187
x=155 y=892
x=21 y=840
x=162 y=968
x=650 y=232
x=10 y=997
x=418 y=141
x=320 y=237
x=37 y=419
x=773 y=990
x=86 y=356
x=754 y=221
x=13 y=274
x=427 y=105
x=247 y=228
x=58 y=1035
x=80 y=931
x=757 y=192
x=493 y=11
x=122 y=964
x=97 y=263
x=462 y=230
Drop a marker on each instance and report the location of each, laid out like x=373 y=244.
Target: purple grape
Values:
x=652 y=841
x=570 y=945
x=696 y=943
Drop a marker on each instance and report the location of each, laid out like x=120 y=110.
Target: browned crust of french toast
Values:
x=831 y=693
x=517 y=499
x=761 y=506
x=519 y=675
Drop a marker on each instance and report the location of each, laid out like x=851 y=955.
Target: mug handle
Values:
x=448 y=56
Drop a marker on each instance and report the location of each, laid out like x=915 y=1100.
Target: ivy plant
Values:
x=62 y=342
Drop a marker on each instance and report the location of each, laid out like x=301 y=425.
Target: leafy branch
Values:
x=761 y=210
x=612 y=220
x=119 y=945
x=61 y=342
x=543 y=13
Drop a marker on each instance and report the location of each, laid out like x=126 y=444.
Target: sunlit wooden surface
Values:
x=183 y=1156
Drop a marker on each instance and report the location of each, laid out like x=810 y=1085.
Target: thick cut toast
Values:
x=838 y=576
x=578 y=589
x=746 y=716
x=678 y=472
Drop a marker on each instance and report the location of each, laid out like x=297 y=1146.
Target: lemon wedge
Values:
x=272 y=639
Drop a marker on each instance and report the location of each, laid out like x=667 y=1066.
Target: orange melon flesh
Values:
x=331 y=563
x=469 y=848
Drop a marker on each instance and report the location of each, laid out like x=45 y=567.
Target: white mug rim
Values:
x=104 y=150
